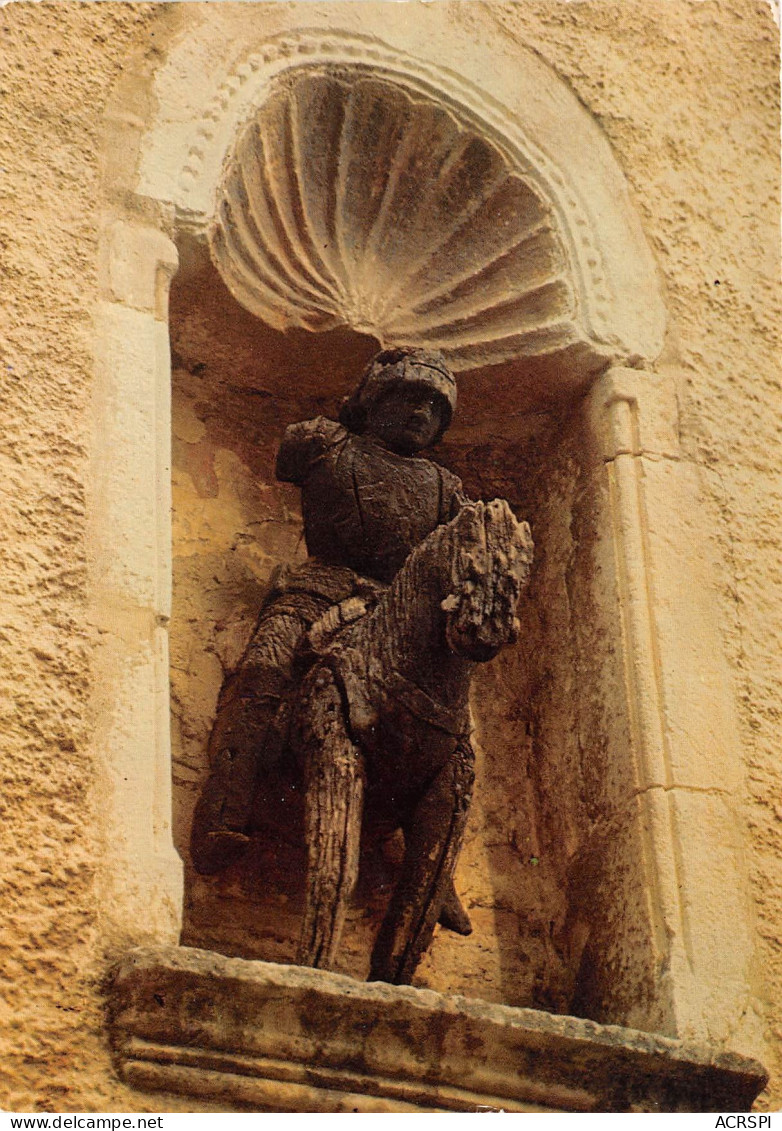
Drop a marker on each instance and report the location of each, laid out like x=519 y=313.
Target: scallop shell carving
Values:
x=350 y=200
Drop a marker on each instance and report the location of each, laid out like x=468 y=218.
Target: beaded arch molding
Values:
x=294 y=58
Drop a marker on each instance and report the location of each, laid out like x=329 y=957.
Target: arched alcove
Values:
x=236 y=383
x=351 y=201
x=596 y=783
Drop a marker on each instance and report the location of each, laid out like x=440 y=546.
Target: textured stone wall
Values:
x=686 y=93
x=59 y=64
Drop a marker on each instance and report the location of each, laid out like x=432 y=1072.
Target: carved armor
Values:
x=364 y=506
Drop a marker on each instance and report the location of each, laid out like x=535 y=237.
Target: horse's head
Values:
x=491 y=554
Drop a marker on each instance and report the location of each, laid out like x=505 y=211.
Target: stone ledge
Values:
x=284 y=1038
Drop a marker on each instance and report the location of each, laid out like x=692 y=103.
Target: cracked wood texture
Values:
x=384 y=711
x=688 y=96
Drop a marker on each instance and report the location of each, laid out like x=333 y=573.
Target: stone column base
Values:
x=283 y=1038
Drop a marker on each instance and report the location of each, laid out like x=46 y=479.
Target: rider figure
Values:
x=368 y=499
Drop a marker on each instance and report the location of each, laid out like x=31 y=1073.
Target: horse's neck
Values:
x=410 y=625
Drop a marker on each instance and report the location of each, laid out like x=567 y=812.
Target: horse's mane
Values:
x=422 y=581
x=417 y=569
x=481 y=555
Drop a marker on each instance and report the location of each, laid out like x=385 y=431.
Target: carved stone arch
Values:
x=176 y=160
x=612 y=307
x=352 y=199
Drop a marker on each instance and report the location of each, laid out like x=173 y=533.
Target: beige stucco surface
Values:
x=686 y=93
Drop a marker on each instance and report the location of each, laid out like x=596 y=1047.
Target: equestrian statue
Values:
x=358 y=669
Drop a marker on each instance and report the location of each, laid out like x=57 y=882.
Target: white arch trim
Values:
x=207 y=90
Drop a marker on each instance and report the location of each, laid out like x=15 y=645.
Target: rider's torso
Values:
x=366 y=507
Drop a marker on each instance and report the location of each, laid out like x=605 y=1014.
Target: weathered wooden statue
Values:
x=368 y=499
x=384 y=710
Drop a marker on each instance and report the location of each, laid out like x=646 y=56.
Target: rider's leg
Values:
x=333 y=808
x=245 y=725
x=247 y=739
x=433 y=837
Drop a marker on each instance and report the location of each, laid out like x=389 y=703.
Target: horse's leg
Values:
x=433 y=837
x=334 y=777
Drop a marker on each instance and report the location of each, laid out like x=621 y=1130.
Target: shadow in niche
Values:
x=529 y=822
x=236 y=385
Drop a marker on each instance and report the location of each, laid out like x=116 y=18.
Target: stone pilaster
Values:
x=131 y=564
x=672 y=818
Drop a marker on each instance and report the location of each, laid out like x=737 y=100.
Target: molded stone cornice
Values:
x=289 y=1038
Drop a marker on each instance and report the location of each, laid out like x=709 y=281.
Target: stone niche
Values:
x=236 y=384
x=342 y=194
x=351 y=200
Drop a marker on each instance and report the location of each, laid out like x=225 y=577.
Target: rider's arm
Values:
x=302 y=445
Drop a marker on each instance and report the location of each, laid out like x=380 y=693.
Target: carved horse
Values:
x=383 y=711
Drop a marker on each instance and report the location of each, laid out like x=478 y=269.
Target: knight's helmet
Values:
x=395 y=368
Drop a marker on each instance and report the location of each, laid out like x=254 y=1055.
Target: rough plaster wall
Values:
x=687 y=95
x=59 y=62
